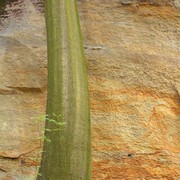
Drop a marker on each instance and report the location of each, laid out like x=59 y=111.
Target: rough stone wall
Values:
x=148 y=2
x=23 y=74
x=132 y=50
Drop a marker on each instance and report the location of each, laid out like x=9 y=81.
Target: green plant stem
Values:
x=68 y=155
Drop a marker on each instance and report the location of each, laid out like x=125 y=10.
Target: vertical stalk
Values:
x=67 y=156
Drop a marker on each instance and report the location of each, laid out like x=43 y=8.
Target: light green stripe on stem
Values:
x=68 y=155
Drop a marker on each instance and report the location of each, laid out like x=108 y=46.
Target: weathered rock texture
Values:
x=22 y=88
x=132 y=50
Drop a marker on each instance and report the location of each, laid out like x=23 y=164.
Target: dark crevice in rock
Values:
x=3 y=169
x=20 y=155
x=7 y=92
x=8 y=157
x=147 y=2
x=130 y=155
x=27 y=89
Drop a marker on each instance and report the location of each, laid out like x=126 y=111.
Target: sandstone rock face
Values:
x=22 y=88
x=132 y=49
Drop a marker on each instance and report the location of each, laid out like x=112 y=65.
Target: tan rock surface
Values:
x=134 y=76
x=22 y=89
x=132 y=50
